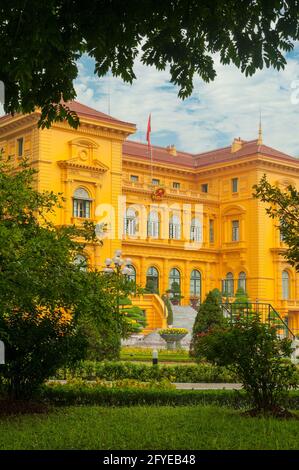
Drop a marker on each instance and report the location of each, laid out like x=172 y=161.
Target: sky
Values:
x=212 y=116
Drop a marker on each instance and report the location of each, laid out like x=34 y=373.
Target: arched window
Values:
x=196 y=230
x=285 y=285
x=81 y=262
x=242 y=281
x=153 y=224
x=175 y=227
x=195 y=284
x=132 y=275
x=130 y=222
x=175 y=286
x=81 y=204
x=228 y=287
x=152 y=280
x=174 y=276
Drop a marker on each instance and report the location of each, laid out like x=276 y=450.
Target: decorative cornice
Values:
x=156 y=166
x=81 y=166
x=179 y=197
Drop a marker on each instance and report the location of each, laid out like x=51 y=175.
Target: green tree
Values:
x=44 y=295
x=134 y=316
x=169 y=309
x=252 y=350
x=208 y=316
x=216 y=292
x=175 y=292
x=283 y=206
x=151 y=287
x=41 y=43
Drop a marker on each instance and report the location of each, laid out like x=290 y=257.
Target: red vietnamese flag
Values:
x=148 y=132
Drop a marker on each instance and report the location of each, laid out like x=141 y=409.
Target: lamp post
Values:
x=119 y=266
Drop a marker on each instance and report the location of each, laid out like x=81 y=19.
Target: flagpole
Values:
x=149 y=144
x=151 y=157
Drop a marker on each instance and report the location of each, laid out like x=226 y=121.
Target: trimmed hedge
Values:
x=70 y=394
x=91 y=370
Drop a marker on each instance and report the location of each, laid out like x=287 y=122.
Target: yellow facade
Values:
x=232 y=233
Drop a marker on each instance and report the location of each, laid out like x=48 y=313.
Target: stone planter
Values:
x=173 y=341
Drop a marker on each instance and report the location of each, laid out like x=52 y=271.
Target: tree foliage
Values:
x=209 y=316
x=253 y=351
x=283 y=206
x=46 y=299
x=41 y=43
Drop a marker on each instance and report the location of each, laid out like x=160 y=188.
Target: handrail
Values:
x=285 y=324
x=258 y=307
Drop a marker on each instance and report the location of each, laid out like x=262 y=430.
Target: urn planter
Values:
x=173 y=337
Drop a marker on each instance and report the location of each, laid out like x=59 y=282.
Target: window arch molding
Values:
x=153 y=224
x=82 y=203
x=153 y=278
x=195 y=283
x=242 y=280
x=133 y=274
x=286 y=280
x=228 y=284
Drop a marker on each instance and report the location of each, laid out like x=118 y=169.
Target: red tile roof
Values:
x=83 y=110
x=86 y=111
x=188 y=160
x=159 y=154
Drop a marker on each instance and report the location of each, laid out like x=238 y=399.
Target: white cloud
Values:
x=216 y=112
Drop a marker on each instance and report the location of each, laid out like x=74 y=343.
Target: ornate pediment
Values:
x=84 y=154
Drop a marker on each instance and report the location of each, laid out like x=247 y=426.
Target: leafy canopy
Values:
x=41 y=43
x=283 y=206
x=49 y=306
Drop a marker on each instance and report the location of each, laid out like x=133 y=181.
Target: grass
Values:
x=145 y=355
x=197 y=427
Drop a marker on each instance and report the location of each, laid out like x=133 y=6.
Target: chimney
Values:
x=171 y=150
x=237 y=144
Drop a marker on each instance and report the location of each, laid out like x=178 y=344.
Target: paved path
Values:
x=208 y=386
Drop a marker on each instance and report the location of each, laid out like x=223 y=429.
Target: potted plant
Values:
x=175 y=293
x=173 y=337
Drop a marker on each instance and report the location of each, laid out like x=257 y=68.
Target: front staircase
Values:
x=183 y=317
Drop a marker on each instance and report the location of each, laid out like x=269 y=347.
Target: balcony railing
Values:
x=235 y=310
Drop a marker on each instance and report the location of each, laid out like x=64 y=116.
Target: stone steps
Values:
x=183 y=317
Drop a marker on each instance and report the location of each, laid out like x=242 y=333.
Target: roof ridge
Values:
x=157 y=147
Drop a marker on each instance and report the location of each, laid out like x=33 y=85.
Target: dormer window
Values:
x=81 y=204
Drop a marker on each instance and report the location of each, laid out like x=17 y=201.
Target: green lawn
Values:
x=197 y=427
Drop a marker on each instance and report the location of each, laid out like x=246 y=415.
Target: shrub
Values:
x=209 y=315
x=73 y=394
x=168 y=305
x=253 y=351
x=126 y=370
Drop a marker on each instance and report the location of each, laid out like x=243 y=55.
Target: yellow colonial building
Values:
x=180 y=217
